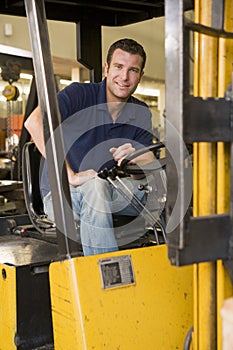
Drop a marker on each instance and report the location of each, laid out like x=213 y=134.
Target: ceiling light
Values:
x=147 y=91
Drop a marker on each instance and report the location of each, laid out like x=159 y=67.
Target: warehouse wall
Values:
x=14 y=33
x=63 y=39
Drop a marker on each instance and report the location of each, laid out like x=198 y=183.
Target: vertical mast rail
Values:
x=180 y=177
x=55 y=154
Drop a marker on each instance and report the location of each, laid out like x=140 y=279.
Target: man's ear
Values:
x=142 y=73
x=105 y=69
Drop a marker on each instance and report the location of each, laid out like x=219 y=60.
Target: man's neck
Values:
x=115 y=109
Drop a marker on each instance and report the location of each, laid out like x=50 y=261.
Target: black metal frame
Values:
x=102 y=12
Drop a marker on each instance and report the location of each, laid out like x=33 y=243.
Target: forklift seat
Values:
x=130 y=231
x=31 y=162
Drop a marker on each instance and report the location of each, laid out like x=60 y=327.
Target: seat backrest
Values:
x=31 y=160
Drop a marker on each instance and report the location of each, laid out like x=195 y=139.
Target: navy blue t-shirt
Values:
x=89 y=131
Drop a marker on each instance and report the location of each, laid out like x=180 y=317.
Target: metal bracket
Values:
x=208 y=120
x=206 y=239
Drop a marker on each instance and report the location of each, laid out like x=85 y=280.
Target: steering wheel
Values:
x=134 y=169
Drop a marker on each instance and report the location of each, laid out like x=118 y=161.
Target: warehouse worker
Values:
x=102 y=124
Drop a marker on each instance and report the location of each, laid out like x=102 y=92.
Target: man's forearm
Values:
x=34 y=126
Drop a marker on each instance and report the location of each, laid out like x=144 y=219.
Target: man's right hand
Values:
x=77 y=179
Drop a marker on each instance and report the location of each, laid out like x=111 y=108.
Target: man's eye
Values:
x=135 y=70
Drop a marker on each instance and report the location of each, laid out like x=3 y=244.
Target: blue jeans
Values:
x=93 y=204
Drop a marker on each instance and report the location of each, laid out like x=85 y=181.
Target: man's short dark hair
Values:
x=128 y=45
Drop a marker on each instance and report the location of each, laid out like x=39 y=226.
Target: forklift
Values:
x=160 y=296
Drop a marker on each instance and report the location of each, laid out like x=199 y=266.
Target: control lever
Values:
x=112 y=175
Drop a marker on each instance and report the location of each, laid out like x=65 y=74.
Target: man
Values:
x=102 y=124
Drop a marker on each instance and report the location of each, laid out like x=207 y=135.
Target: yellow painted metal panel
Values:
x=206 y=178
x=224 y=291
x=205 y=85
x=154 y=313
x=213 y=67
x=7 y=307
x=224 y=285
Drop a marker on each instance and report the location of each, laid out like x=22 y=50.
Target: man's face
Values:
x=123 y=75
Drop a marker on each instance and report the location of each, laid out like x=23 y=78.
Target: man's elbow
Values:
x=27 y=125
x=31 y=124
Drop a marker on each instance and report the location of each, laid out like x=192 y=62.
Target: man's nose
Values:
x=124 y=74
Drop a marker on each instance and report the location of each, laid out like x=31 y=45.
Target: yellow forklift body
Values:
x=155 y=311
x=7 y=307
